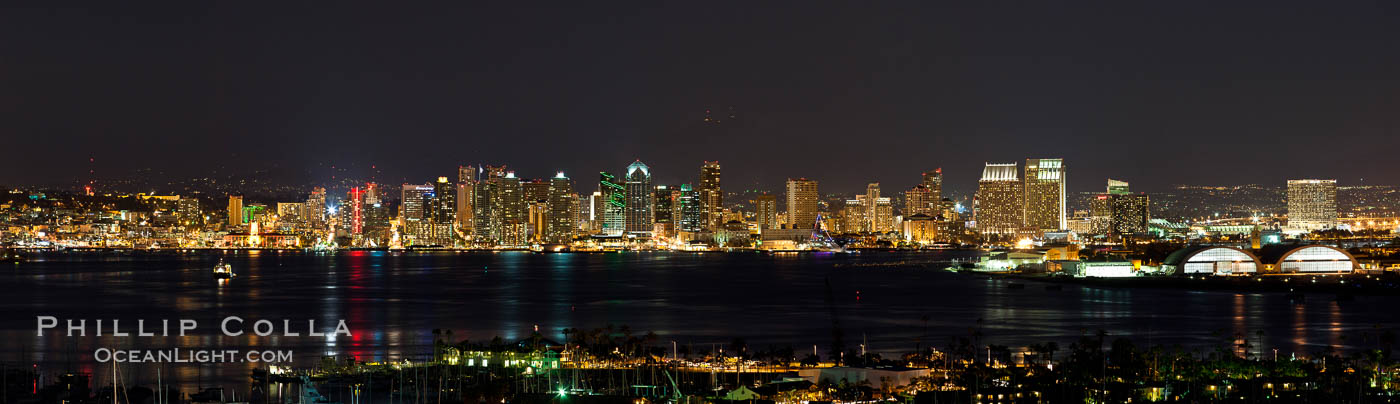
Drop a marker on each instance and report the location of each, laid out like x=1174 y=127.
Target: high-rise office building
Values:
x=613 y=207
x=802 y=206
x=917 y=201
x=235 y=210
x=316 y=207
x=466 y=174
x=663 y=207
x=693 y=216
x=443 y=203
x=1044 y=183
x=535 y=190
x=711 y=194
x=513 y=211
x=999 y=208
x=1119 y=212
x=933 y=181
x=355 y=210
x=766 y=211
x=639 y=200
x=484 y=210
x=561 y=215
x=877 y=214
x=413 y=205
x=1312 y=204
x=501 y=214
x=466 y=206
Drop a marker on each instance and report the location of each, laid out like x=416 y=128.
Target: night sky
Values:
x=1155 y=93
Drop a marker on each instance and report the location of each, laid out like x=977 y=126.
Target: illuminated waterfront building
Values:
x=1312 y=205
x=917 y=201
x=922 y=229
x=663 y=208
x=510 y=205
x=316 y=206
x=802 y=206
x=596 y=207
x=466 y=200
x=187 y=210
x=443 y=203
x=486 y=215
x=1044 y=183
x=354 y=211
x=1119 y=212
x=850 y=219
x=235 y=210
x=693 y=216
x=561 y=214
x=639 y=215
x=711 y=193
x=614 y=203
x=290 y=211
x=933 y=182
x=535 y=190
x=501 y=214
x=999 y=208
x=255 y=213
x=537 y=218
x=413 y=202
x=766 y=212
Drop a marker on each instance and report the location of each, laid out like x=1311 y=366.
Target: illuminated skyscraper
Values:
x=1000 y=202
x=513 y=211
x=711 y=194
x=466 y=203
x=933 y=181
x=316 y=207
x=917 y=202
x=693 y=217
x=613 y=207
x=1119 y=212
x=414 y=203
x=235 y=210
x=663 y=207
x=561 y=216
x=639 y=200
x=1045 y=195
x=355 y=210
x=877 y=215
x=1312 y=204
x=535 y=190
x=443 y=204
x=766 y=211
x=802 y=207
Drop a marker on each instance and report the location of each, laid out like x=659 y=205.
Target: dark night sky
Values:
x=1156 y=93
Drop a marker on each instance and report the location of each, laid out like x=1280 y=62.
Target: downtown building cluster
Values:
x=490 y=207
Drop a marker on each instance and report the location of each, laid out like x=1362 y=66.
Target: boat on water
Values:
x=223 y=270
x=11 y=256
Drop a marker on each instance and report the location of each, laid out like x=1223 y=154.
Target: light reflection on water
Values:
x=392 y=302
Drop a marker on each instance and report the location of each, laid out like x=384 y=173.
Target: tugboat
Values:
x=223 y=270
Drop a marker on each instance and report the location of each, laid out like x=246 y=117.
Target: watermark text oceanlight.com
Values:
x=177 y=355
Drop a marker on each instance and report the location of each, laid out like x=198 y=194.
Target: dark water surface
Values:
x=392 y=302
